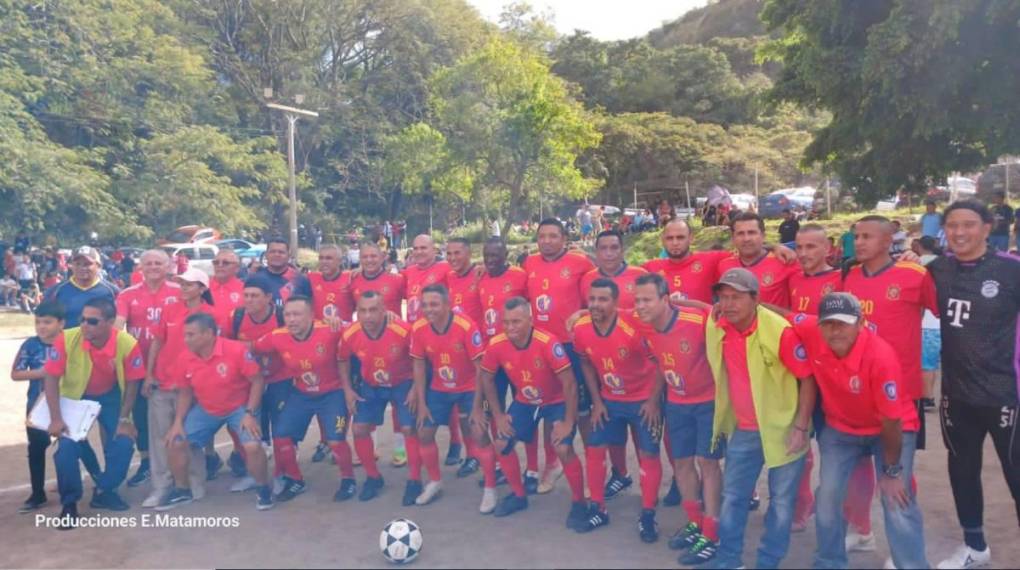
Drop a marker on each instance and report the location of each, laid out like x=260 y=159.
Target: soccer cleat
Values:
x=616 y=484
x=800 y=525
x=411 y=492
x=399 y=457
x=69 y=517
x=32 y=503
x=686 y=537
x=672 y=497
x=469 y=466
x=347 y=489
x=489 y=500
x=510 y=505
x=153 y=500
x=236 y=464
x=371 y=488
x=453 y=455
x=264 y=498
x=431 y=492
x=530 y=482
x=175 y=498
x=213 y=464
x=244 y=484
x=108 y=500
x=578 y=514
x=860 y=542
x=703 y=551
x=500 y=479
x=321 y=451
x=291 y=489
x=596 y=518
x=550 y=475
x=754 y=503
x=142 y=475
x=648 y=530
x=966 y=557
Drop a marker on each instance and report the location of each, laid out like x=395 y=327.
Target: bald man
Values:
x=425 y=270
x=689 y=274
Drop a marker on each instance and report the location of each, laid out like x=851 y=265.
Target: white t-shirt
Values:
x=929 y=321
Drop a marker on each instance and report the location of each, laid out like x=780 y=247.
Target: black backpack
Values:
x=238 y=319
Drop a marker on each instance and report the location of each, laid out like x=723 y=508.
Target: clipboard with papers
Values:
x=79 y=415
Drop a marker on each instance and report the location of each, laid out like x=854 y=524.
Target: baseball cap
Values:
x=86 y=251
x=194 y=276
x=738 y=278
x=842 y=307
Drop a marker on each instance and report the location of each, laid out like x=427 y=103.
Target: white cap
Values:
x=195 y=276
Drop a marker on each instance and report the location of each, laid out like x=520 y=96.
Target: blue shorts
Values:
x=373 y=409
x=583 y=397
x=331 y=409
x=525 y=417
x=931 y=349
x=200 y=426
x=441 y=405
x=614 y=430
x=273 y=399
x=690 y=430
x=586 y=229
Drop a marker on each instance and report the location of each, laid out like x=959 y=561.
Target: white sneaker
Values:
x=430 y=493
x=488 y=501
x=243 y=484
x=889 y=565
x=967 y=557
x=549 y=478
x=278 y=485
x=197 y=491
x=860 y=542
x=153 y=500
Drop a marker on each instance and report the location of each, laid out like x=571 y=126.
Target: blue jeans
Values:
x=117 y=450
x=904 y=528
x=744 y=461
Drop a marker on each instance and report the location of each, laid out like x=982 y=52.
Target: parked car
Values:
x=744 y=201
x=199 y=254
x=772 y=206
x=190 y=234
x=245 y=249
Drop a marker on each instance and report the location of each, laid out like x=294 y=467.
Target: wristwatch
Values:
x=892 y=470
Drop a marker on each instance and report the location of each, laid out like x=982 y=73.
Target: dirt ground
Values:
x=313 y=531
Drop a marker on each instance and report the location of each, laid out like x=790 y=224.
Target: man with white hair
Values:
x=226 y=288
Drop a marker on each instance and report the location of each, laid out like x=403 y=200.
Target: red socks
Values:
x=512 y=469
x=286 y=458
x=487 y=457
x=595 y=457
x=711 y=529
x=694 y=513
x=618 y=457
x=860 y=491
x=413 y=457
x=531 y=452
x=651 y=478
x=575 y=477
x=344 y=459
x=366 y=452
x=455 y=436
x=430 y=457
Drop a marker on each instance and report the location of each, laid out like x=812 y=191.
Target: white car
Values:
x=744 y=201
x=199 y=254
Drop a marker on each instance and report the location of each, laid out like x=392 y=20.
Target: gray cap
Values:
x=842 y=307
x=738 y=278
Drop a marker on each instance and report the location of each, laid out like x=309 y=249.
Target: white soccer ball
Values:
x=400 y=541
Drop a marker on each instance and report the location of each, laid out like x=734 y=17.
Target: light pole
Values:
x=292 y=114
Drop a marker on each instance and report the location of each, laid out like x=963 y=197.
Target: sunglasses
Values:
x=223 y=262
x=92 y=321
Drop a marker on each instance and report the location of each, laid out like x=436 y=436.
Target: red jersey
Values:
x=141 y=309
x=620 y=358
x=389 y=285
x=773 y=277
x=679 y=352
x=464 y=294
x=806 y=291
x=386 y=360
x=451 y=352
x=493 y=292
x=693 y=275
x=554 y=288
x=419 y=278
x=893 y=300
x=251 y=330
x=311 y=362
x=221 y=382
x=170 y=333
x=104 y=365
x=531 y=369
x=624 y=279
x=227 y=296
x=332 y=297
x=861 y=389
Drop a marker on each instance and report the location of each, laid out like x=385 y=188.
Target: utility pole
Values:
x=292 y=114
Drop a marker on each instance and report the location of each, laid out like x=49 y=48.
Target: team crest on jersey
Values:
x=800 y=352
x=613 y=381
x=827 y=288
x=855 y=384
x=320 y=349
x=538 y=363
x=329 y=311
x=696 y=267
x=490 y=317
x=685 y=346
x=221 y=369
x=990 y=289
x=395 y=349
x=543 y=303
x=235 y=297
x=890 y=390
x=893 y=292
x=310 y=379
x=447 y=374
x=530 y=392
x=565 y=273
x=476 y=338
x=385 y=290
x=799 y=318
x=622 y=352
x=506 y=287
x=558 y=350
x=136 y=362
x=767 y=279
x=458 y=347
x=381 y=377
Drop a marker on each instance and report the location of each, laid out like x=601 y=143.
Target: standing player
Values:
x=284 y=279
x=625 y=391
x=331 y=287
x=462 y=280
x=611 y=264
x=374 y=277
x=979 y=300
x=773 y=275
x=816 y=277
x=308 y=351
x=689 y=274
x=426 y=270
x=545 y=390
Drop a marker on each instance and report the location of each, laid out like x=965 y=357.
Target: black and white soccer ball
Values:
x=400 y=541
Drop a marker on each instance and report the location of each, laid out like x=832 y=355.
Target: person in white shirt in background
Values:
x=931 y=335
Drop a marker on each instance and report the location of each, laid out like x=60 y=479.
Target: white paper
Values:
x=78 y=415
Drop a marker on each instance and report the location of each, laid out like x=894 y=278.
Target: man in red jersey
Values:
x=425 y=270
x=538 y=366
x=382 y=346
x=331 y=288
x=893 y=298
x=449 y=344
x=816 y=277
x=625 y=391
x=374 y=276
x=676 y=339
x=139 y=308
x=554 y=289
x=308 y=351
x=462 y=280
x=226 y=288
x=773 y=275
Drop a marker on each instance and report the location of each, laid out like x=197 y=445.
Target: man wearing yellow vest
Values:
x=763 y=401
x=100 y=363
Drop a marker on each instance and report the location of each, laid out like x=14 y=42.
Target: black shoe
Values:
x=346 y=490
x=371 y=488
x=453 y=455
x=673 y=497
x=69 y=517
x=236 y=464
x=596 y=518
x=509 y=505
x=578 y=515
x=685 y=537
x=213 y=464
x=108 y=500
x=530 y=484
x=755 y=502
x=411 y=492
x=321 y=451
x=264 y=498
x=142 y=475
x=175 y=498
x=467 y=468
x=702 y=551
x=32 y=503
x=617 y=484
x=648 y=530
x=291 y=489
